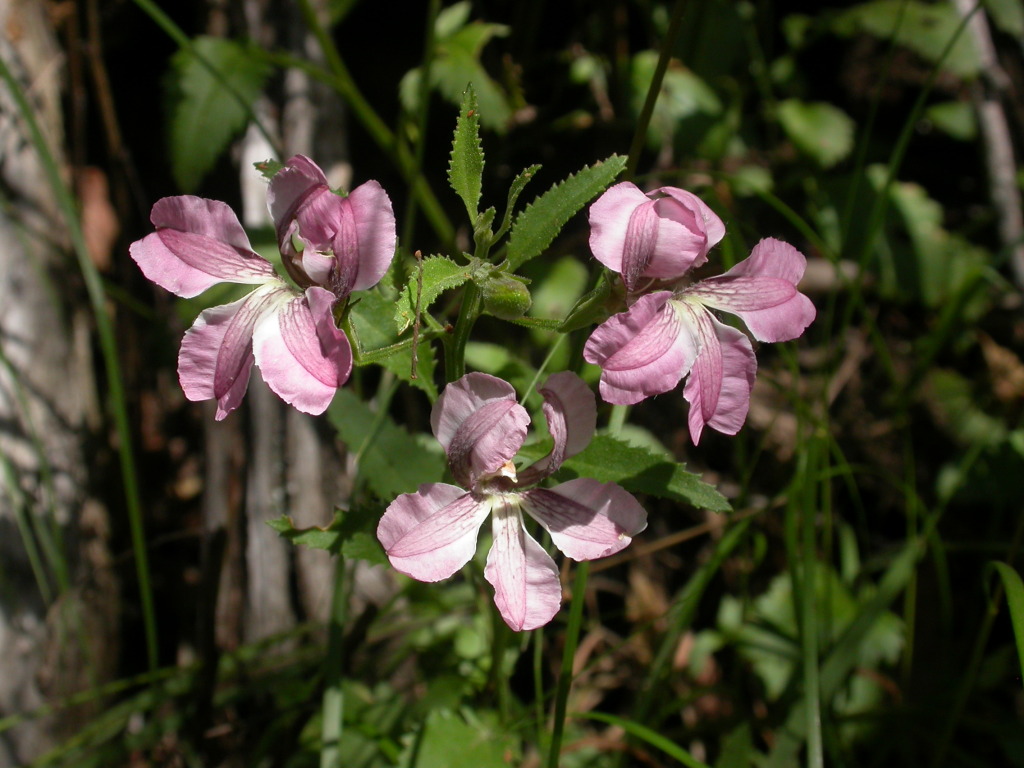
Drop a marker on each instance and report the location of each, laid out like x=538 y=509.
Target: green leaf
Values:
x=440 y=274
x=609 y=459
x=924 y=28
x=518 y=185
x=1015 y=599
x=457 y=62
x=465 y=171
x=372 y=320
x=390 y=459
x=955 y=118
x=683 y=94
x=538 y=225
x=818 y=129
x=449 y=741
x=349 y=533
x=1008 y=16
x=207 y=110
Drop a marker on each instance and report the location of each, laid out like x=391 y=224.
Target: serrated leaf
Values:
x=518 y=185
x=349 y=533
x=207 y=110
x=392 y=460
x=465 y=171
x=371 y=319
x=440 y=274
x=538 y=225
x=635 y=468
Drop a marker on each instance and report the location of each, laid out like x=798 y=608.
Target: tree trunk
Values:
x=58 y=592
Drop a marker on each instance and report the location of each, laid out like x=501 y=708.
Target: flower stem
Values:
x=455 y=348
x=342 y=81
x=572 y=638
x=333 y=706
x=644 y=120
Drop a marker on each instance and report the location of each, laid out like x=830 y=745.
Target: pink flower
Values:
x=669 y=334
x=432 y=533
x=292 y=337
x=659 y=235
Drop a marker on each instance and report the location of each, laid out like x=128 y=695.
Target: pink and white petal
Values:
x=486 y=441
x=375 y=232
x=642 y=352
x=718 y=389
x=216 y=354
x=586 y=519
x=303 y=357
x=640 y=242
x=430 y=534
x=681 y=243
x=571 y=412
x=290 y=189
x=609 y=221
x=771 y=307
x=527 y=590
x=712 y=226
x=461 y=398
x=772 y=258
x=188 y=262
x=199 y=216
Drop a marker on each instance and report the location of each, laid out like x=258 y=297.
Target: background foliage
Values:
x=841 y=599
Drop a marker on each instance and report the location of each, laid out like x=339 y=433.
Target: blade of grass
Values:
x=645 y=734
x=654 y=91
x=1013 y=586
x=572 y=638
x=108 y=347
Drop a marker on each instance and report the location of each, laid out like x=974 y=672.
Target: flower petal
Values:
x=609 y=221
x=642 y=352
x=216 y=353
x=658 y=235
x=480 y=425
x=711 y=225
x=682 y=241
x=571 y=413
x=761 y=290
x=718 y=389
x=430 y=534
x=375 y=232
x=527 y=590
x=586 y=519
x=303 y=357
x=198 y=243
x=300 y=186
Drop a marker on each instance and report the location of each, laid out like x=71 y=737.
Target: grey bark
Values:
x=58 y=592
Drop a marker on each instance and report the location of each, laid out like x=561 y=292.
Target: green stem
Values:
x=108 y=347
x=342 y=81
x=644 y=120
x=423 y=111
x=334 y=695
x=175 y=32
x=572 y=638
x=455 y=348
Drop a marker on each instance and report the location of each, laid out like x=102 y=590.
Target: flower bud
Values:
x=505 y=297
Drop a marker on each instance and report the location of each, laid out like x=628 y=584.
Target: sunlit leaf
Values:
x=635 y=468
x=538 y=225
x=207 y=110
x=466 y=166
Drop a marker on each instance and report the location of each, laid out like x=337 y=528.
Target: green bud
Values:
x=505 y=297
